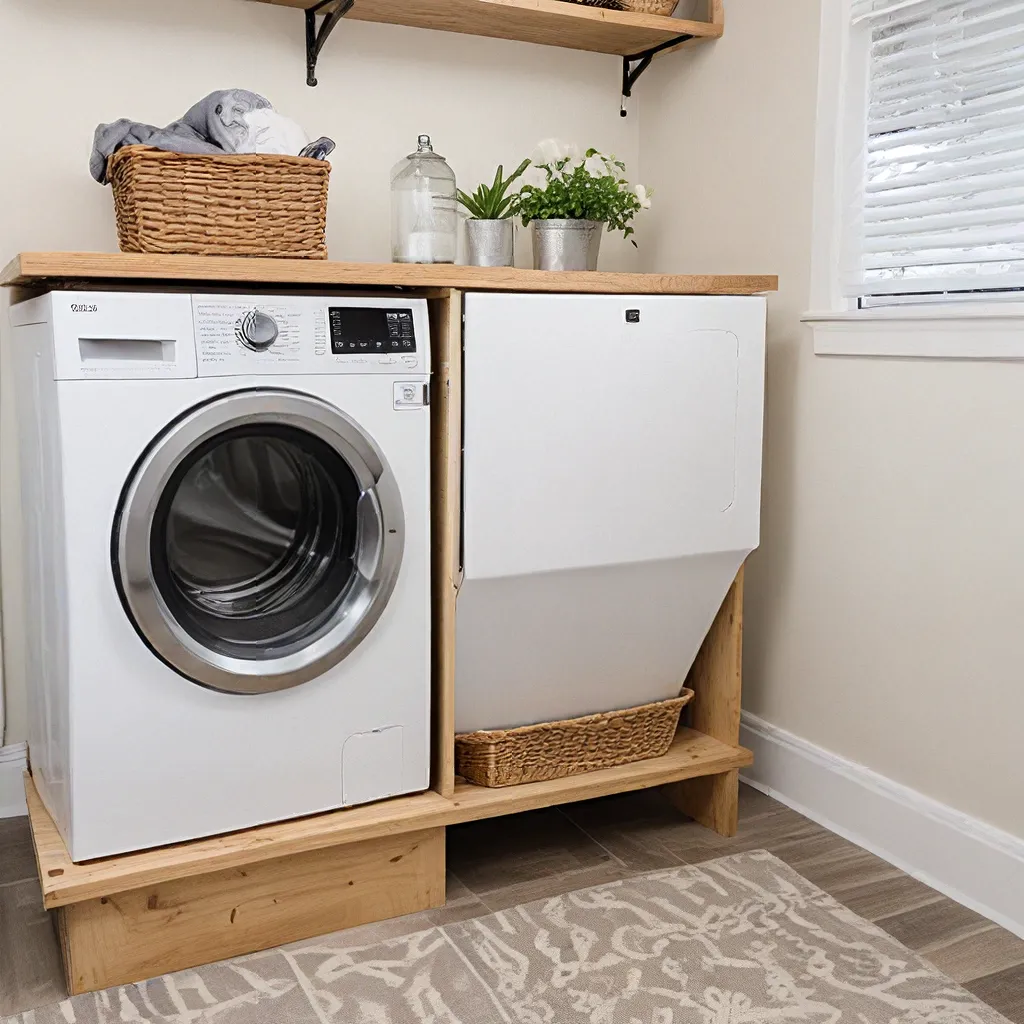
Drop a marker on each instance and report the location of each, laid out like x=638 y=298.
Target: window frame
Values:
x=945 y=329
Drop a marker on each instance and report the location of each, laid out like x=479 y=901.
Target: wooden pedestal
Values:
x=140 y=915
x=141 y=933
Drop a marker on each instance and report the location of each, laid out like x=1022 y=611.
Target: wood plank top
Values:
x=64 y=882
x=549 y=22
x=47 y=269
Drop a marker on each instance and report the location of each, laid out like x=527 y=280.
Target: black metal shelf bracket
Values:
x=636 y=64
x=315 y=38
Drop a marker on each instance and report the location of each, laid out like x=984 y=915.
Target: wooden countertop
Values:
x=45 y=269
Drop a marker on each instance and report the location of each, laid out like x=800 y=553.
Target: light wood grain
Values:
x=43 y=269
x=690 y=755
x=64 y=882
x=446 y=463
x=716 y=679
x=713 y=800
x=549 y=22
x=147 y=932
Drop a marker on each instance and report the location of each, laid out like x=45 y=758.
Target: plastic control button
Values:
x=257 y=330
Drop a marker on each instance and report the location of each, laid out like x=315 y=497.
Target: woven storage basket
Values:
x=244 y=204
x=663 y=7
x=554 y=750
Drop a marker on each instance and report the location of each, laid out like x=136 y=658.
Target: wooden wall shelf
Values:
x=634 y=37
x=549 y=22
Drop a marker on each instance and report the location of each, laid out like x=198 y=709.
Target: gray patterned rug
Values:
x=741 y=940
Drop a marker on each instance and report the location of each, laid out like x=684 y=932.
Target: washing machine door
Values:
x=258 y=541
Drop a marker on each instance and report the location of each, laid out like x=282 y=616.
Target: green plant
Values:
x=491 y=202
x=588 y=188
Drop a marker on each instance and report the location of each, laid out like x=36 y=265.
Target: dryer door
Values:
x=258 y=541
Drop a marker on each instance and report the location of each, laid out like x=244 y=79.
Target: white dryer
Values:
x=612 y=486
x=226 y=506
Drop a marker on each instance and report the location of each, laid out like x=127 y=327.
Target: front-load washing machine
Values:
x=226 y=513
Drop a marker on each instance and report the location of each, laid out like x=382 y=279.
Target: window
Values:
x=934 y=178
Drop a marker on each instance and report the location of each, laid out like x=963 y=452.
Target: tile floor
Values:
x=497 y=864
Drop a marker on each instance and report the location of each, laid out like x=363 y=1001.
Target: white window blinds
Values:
x=942 y=208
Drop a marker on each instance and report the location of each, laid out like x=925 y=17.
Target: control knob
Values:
x=256 y=330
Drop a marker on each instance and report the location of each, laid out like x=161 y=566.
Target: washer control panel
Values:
x=241 y=335
x=362 y=330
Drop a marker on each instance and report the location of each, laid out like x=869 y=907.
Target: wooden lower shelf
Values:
x=692 y=754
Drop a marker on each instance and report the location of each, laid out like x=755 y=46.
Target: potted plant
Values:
x=575 y=198
x=489 y=228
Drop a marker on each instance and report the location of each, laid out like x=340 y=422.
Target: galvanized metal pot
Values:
x=490 y=243
x=566 y=244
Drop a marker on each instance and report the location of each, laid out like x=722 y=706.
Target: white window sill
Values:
x=939 y=332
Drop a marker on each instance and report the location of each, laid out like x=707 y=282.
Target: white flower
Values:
x=597 y=165
x=642 y=195
x=550 y=151
x=570 y=168
x=535 y=176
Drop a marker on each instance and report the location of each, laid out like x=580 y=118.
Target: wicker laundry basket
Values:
x=663 y=7
x=554 y=750
x=251 y=204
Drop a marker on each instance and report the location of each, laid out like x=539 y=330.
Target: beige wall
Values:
x=66 y=66
x=885 y=604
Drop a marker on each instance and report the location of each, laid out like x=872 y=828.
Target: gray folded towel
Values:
x=214 y=125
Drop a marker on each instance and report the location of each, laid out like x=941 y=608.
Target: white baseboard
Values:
x=972 y=862
x=13 y=761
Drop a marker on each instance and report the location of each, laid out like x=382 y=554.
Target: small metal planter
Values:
x=566 y=244
x=490 y=243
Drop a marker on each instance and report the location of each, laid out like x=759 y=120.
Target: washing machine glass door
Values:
x=258 y=541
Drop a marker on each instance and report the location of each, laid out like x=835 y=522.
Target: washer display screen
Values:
x=365 y=330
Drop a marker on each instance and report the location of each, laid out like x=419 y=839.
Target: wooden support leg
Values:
x=713 y=800
x=147 y=932
x=716 y=679
x=446 y=448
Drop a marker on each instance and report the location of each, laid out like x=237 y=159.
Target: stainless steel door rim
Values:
x=379 y=544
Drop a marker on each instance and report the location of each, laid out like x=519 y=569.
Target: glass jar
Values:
x=424 y=224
